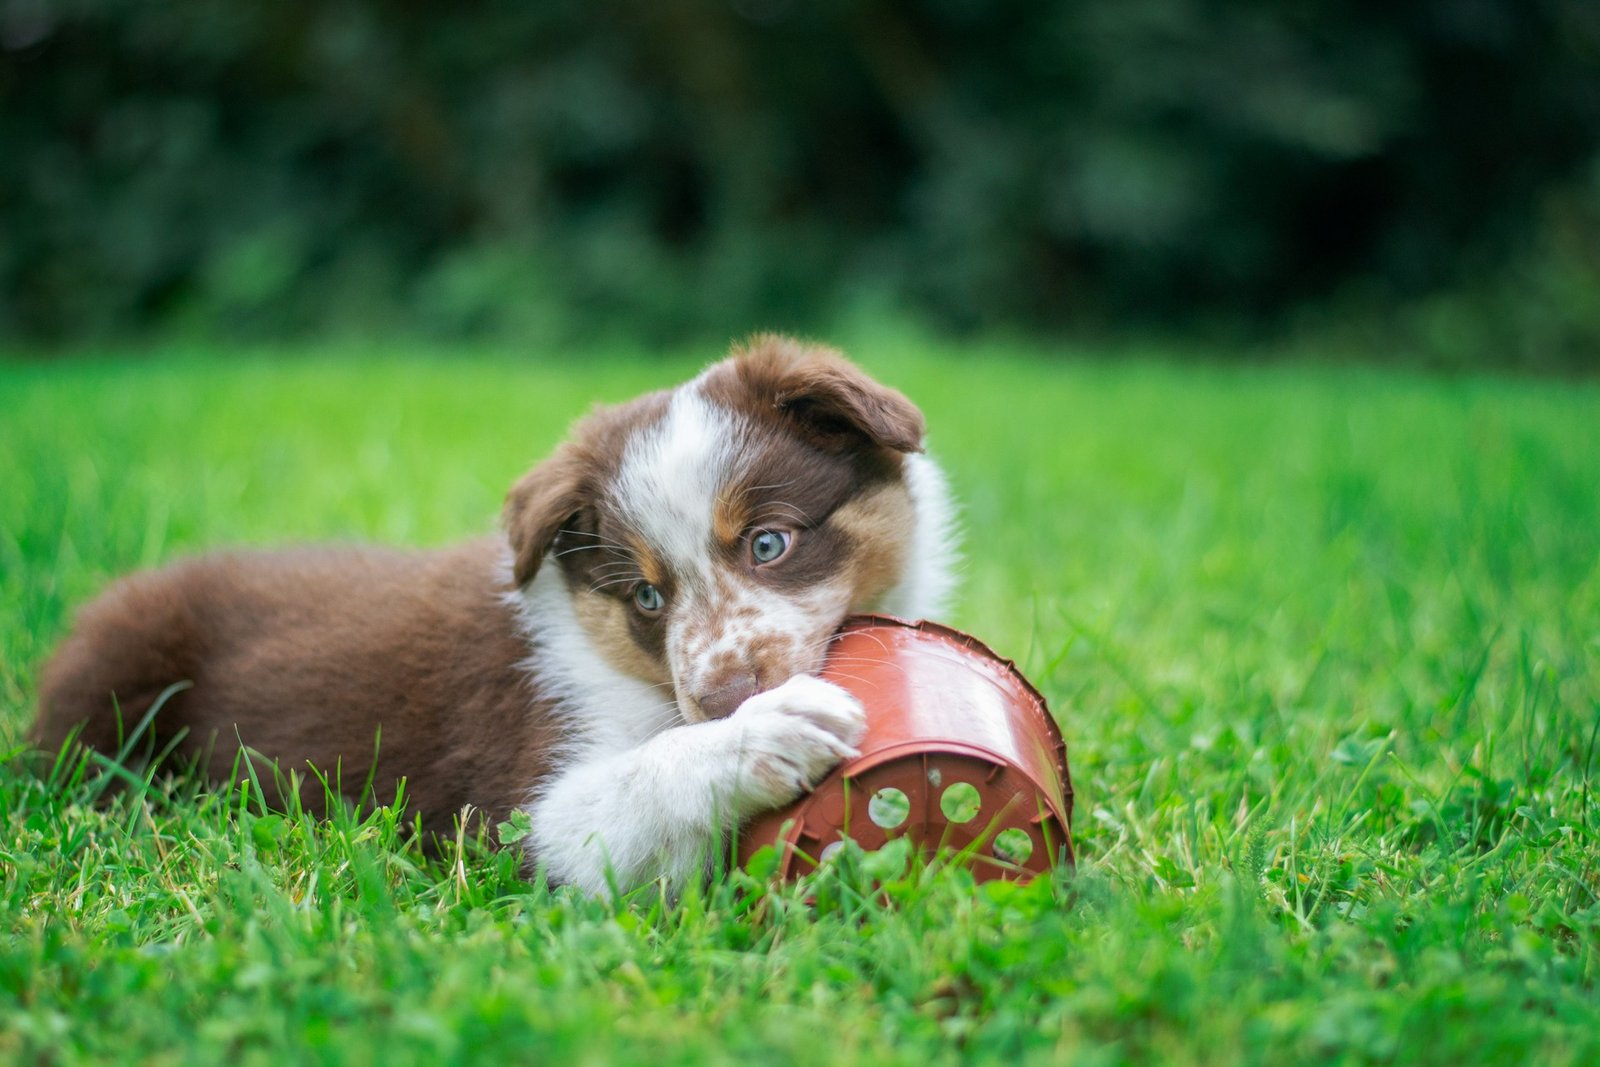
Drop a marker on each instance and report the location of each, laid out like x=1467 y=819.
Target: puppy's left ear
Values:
x=828 y=395
x=538 y=506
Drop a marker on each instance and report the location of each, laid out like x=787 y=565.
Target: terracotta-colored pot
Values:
x=960 y=753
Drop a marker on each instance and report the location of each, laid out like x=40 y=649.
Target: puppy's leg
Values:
x=665 y=807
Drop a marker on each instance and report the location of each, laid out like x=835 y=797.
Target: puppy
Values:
x=631 y=663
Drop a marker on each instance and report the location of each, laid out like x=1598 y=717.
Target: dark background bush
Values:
x=544 y=169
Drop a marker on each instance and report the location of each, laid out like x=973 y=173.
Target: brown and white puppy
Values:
x=632 y=663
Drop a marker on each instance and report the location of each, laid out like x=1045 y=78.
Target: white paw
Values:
x=790 y=737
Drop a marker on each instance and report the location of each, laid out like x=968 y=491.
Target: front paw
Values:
x=790 y=737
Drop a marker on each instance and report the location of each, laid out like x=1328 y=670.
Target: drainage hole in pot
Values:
x=960 y=803
x=888 y=808
x=1013 y=846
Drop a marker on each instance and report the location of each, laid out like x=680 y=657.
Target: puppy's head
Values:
x=712 y=537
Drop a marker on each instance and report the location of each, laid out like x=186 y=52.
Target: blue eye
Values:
x=648 y=598
x=768 y=545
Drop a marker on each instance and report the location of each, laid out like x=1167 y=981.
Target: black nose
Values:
x=728 y=692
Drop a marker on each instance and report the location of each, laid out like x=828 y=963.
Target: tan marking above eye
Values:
x=729 y=516
x=649 y=565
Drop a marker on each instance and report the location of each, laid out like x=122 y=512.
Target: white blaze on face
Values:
x=670 y=476
x=721 y=623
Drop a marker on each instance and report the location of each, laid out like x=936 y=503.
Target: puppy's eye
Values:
x=648 y=599
x=768 y=545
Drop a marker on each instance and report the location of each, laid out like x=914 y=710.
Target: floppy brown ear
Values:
x=537 y=507
x=827 y=394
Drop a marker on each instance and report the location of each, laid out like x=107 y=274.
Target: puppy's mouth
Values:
x=717 y=694
x=726 y=653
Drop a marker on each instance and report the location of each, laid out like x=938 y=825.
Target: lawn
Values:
x=1324 y=643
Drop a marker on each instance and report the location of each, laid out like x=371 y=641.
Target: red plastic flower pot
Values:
x=960 y=754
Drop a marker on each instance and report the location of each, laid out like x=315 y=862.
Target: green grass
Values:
x=1325 y=646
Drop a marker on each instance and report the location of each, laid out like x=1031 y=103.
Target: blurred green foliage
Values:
x=552 y=168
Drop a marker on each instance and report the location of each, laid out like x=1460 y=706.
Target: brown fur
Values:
x=302 y=655
x=818 y=394
x=606 y=620
x=876 y=522
x=545 y=499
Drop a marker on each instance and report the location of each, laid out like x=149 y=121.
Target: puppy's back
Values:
x=328 y=658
